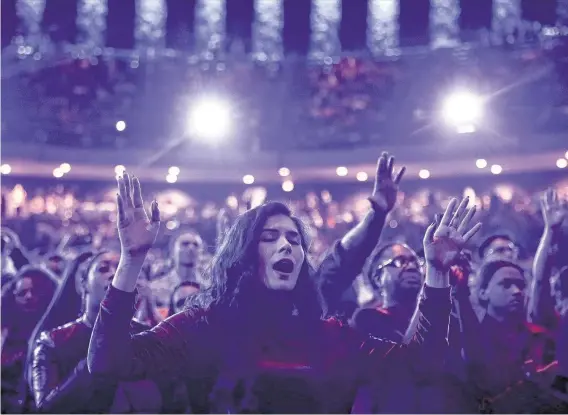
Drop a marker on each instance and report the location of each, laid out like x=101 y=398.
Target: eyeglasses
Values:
x=504 y=249
x=401 y=262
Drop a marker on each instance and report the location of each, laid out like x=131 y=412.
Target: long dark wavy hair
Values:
x=233 y=269
x=239 y=306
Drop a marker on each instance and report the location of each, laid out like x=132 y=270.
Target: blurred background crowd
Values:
x=275 y=104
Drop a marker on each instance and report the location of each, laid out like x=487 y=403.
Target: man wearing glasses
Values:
x=396 y=277
x=502 y=246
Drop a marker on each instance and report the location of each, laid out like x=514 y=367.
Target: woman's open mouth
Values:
x=284 y=266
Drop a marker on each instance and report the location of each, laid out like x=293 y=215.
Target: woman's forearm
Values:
x=541 y=306
x=127 y=273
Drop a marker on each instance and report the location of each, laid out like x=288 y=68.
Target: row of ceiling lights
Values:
x=287 y=185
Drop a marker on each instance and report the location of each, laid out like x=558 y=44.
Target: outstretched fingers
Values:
x=549 y=198
x=543 y=204
x=464 y=224
x=429 y=234
x=448 y=213
x=385 y=169
x=472 y=232
x=390 y=166
x=128 y=188
x=154 y=212
x=137 y=193
x=121 y=214
x=122 y=190
x=382 y=165
x=457 y=219
x=399 y=175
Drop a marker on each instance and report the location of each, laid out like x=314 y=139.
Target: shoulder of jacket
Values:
x=137 y=326
x=183 y=321
x=59 y=334
x=375 y=312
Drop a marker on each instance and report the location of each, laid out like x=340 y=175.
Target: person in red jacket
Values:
x=60 y=380
x=256 y=341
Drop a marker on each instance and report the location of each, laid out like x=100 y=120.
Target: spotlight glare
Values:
x=248 y=179
x=57 y=173
x=463 y=110
x=171 y=178
x=174 y=171
x=65 y=167
x=210 y=119
x=561 y=163
x=119 y=170
x=465 y=129
x=6 y=169
x=481 y=163
x=362 y=176
x=424 y=174
x=284 y=171
x=341 y=171
x=120 y=125
x=288 y=185
x=496 y=169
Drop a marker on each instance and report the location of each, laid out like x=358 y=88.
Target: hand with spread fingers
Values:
x=386 y=184
x=554 y=212
x=136 y=230
x=445 y=239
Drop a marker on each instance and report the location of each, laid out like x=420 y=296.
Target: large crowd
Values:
x=390 y=295
x=506 y=339
x=77 y=101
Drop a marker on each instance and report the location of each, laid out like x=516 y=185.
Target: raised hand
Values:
x=11 y=238
x=386 y=184
x=554 y=212
x=445 y=239
x=137 y=232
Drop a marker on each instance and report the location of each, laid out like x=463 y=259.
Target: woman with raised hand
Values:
x=256 y=341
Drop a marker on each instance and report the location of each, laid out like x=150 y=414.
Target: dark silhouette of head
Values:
x=29 y=293
x=181 y=294
x=503 y=288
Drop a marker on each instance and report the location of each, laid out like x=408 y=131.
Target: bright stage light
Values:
x=284 y=171
x=463 y=110
x=496 y=169
x=210 y=118
x=6 y=169
x=424 y=174
x=481 y=163
x=120 y=125
x=341 y=171
x=287 y=185
x=362 y=176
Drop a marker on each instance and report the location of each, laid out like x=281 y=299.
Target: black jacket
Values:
x=61 y=381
